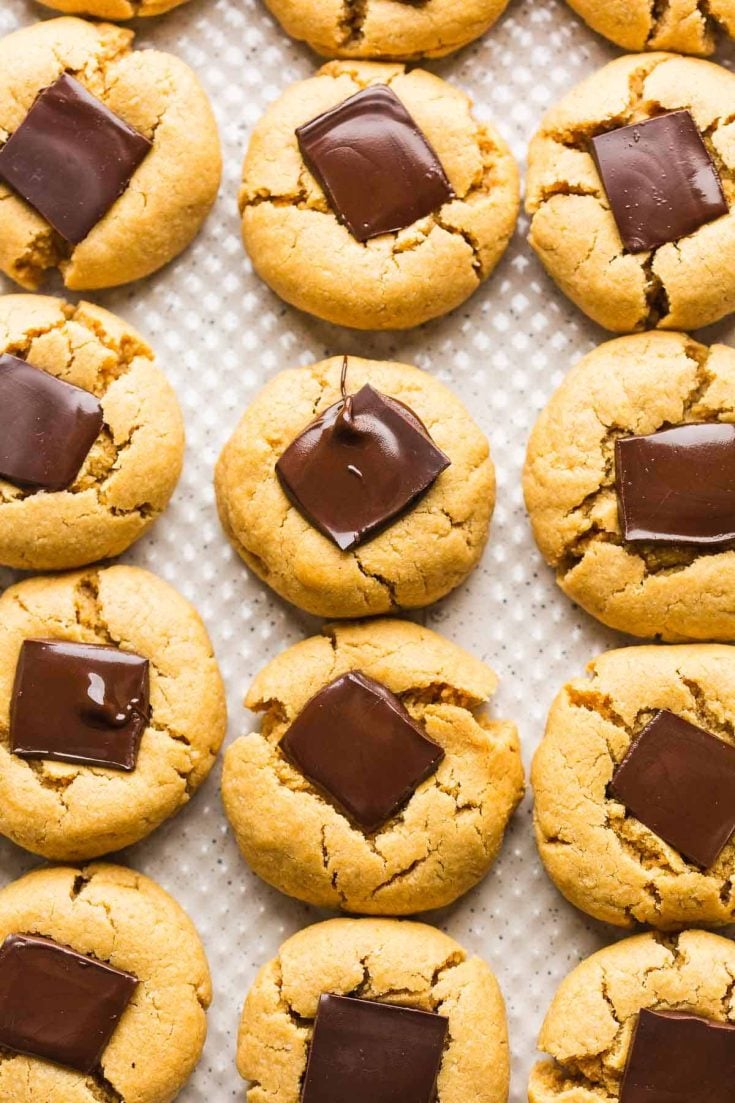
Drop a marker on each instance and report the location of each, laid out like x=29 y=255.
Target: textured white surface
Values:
x=220 y=334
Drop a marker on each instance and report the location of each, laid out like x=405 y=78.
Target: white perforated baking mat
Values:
x=220 y=335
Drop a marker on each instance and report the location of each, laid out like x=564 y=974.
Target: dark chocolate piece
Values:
x=57 y=1004
x=47 y=426
x=678 y=486
x=660 y=180
x=368 y=1052
x=363 y=462
x=355 y=740
x=375 y=165
x=71 y=158
x=677 y=1057
x=679 y=781
x=79 y=702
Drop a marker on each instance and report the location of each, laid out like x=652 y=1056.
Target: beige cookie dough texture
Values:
x=126 y=920
x=447 y=836
x=170 y=193
x=684 y=26
x=67 y=812
x=408 y=964
x=113 y=9
x=395 y=281
x=632 y=385
x=681 y=285
x=134 y=465
x=602 y=859
x=589 y=1027
x=386 y=28
x=424 y=554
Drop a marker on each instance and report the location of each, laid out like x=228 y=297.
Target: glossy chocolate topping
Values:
x=58 y=1004
x=363 y=462
x=678 y=486
x=47 y=426
x=366 y=1052
x=679 y=781
x=676 y=1057
x=79 y=702
x=375 y=165
x=71 y=158
x=356 y=742
x=660 y=180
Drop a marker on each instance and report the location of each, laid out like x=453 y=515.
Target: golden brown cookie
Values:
x=684 y=284
x=629 y=386
x=436 y=847
x=600 y=856
x=396 y=280
x=66 y=811
x=124 y=919
x=387 y=961
x=386 y=28
x=134 y=464
x=426 y=552
x=113 y=9
x=684 y=26
x=589 y=1027
x=169 y=194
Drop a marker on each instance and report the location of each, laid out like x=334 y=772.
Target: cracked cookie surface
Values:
x=422 y=555
x=113 y=9
x=589 y=1027
x=389 y=961
x=632 y=385
x=126 y=920
x=602 y=859
x=684 y=284
x=398 y=29
x=65 y=811
x=169 y=194
x=683 y=26
x=398 y=280
x=131 y=471
x=444 y=839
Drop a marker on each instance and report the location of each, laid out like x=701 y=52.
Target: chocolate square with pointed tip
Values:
x=677 y=1057
x=374 y=164
x=660 y=180
x=71 y=158
x=355 y=741
x=679 y=781
x=47 y=426
x=79 y=702
x=368 y=1052
x=57 y=1004
x=361 y=464
x=678 y=486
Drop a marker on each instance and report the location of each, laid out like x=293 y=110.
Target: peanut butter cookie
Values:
x=683 y=26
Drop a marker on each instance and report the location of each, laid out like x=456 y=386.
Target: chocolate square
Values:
x=678 y=486
x=79 y=702
x=679 y=781
x=660 y=180
x=47 y=426
x=376 y=167
x=57 y=1004
x=367 y=1052
x=363 y=462
x=356 y=742
x=677 y=1057
x=71 y=158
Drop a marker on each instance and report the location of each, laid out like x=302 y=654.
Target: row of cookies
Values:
x=403 y=31
x=377 y=180
x=634 y=778
x=104 y=987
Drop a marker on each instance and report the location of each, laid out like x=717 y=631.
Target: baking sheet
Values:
x=220 y=334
